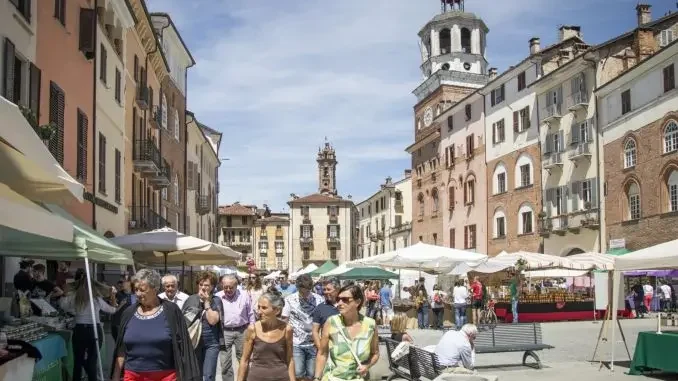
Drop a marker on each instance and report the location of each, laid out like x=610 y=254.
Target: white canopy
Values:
x=273 y=275
x=506 y=260
x=310 y=267
x=421 y=256
x=27 y=165
x=592 y=260
x=336 y=271
x=555 y=273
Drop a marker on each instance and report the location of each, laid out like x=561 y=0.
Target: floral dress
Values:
x=340 y=361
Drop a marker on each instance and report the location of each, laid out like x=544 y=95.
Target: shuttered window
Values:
x=34 y=94
x=86 y=42
x=117 y=175
x=118 y=86
x=24 y=8
x=136 y=68
x=81 y=154
x=8 y=71
x=669 y=78
x=60 y=11
x=102 y=163
x=102 y=64
x=57 y=105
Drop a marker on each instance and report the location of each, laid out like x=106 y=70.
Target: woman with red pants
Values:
x=153 y=343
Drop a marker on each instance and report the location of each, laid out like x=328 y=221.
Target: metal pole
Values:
x=94 y=315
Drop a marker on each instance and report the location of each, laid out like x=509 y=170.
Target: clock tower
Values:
x=452 y=47
x=327 y=170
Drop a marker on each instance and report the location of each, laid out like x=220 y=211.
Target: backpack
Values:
x=437 y=299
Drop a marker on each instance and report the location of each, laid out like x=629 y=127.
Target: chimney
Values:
x=644 y=12
x=408 y=173
x=535 y=45
x=568 y=31
x=493 y=73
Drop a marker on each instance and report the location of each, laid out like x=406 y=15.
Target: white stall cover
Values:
x=661 y=256
x=592 y=260
x=421 y=256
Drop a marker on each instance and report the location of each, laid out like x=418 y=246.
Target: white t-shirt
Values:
x=648 y=290
x=454 y=349
x=666 y=290
x=459 y=294
x=179 y=298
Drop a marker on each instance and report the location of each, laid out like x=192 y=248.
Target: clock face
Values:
x=467 y=66
x=428 y=117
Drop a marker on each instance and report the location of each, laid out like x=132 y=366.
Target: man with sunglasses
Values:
x=284 y=286
x=299 y=308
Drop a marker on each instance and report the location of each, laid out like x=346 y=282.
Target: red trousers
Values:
x=648 y=301
x=162 y=375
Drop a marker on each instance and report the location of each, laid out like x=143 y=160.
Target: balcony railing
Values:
x=333 y=241
x=578 y=99
x=380 y=235
x=545 y=226
x=161 y=178
x=143 y=218
x=560 y=223
x=142 y=97
x=202 y=204
x=553 y=160
x=146 y=156
x=306 y=220
x=334 y=218
x=156 y=117
x=401 y=228
x=551 y=113
x=244 y=242
x=306 y=241
x=579 y=151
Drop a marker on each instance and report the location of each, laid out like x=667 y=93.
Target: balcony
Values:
x=202 y=204
x=580 y=151
x=578 y=100
x=241 y=243
x=405 y=227
x=560 y=224
x=143 y=218
x=142 y=97
x=279 y=251
x=551 y=113
x=373 y=237
x=590 y=221
x=545 y=227
x=161 y=178
x=146 y=157
x=263 y=250
x=306 y=241
x=333 y=241
x=334 y=218
x=156 y=117
x=306 y=220
x=380 y=235
x=553 y=160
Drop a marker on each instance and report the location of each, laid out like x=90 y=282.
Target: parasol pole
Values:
x=95 y=326
x=165 y=257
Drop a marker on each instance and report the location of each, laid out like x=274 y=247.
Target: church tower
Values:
x=327 y=170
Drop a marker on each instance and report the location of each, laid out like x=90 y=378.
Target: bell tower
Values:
x=327 y=170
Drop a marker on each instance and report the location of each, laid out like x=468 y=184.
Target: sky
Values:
x=277 y=78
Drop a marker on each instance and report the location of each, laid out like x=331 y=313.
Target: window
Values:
x=60 y=11
x=262 y=263
x=497 y=95
x=118 y=86
x=669 y=76
x=665 y=37
x=445 y=40
x=469 y=194
x=163 y=193
x=279 y=262
x=501 y=183
x=103 y=57
x=498 y=132
x=306 y=231
x=630 y=153
x=626 y=101
x=421 y=204
x=673 y=191
x=24 y=8
x=671 y=137
x=527 y=221
x=451 y=239
x=450 y=123
x=57 y=104
x=434 y=197
x=450 y=198
x=499 y=224
x=176 y=124
x=279 y=247
x=449 y=156
x=470 y=145
x=163 y=112
x=521 y=119
x=175 y=189
x=136 y=68
x=466 y=40
x=584 y=132
x=469 y=237
x=633 y=195
x=116 y=182
x=523 y=171
x=525 y=179
x=333 y=252
x=102 y=163
x=522 y=82
x=468 y=111
x=81 y=153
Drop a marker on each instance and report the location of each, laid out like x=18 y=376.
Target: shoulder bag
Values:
x=330 y=377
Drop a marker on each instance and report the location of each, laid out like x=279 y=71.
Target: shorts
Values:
x=477 y=303
x=387 y=311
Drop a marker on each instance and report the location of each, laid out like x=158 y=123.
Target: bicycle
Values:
x=488 y=318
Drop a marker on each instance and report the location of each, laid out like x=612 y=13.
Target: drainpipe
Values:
x=94 y=118
x=541 y=179
x=186 y=146
x=598 y=135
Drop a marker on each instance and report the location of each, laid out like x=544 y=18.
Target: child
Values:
x=399 y=329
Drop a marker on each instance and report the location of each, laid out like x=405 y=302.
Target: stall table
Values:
x=53 y=349
x=655 y=351
x=548 y=311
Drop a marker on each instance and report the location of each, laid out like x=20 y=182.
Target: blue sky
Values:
x=277 y=77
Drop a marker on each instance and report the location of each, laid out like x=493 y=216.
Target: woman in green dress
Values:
x=349 y=345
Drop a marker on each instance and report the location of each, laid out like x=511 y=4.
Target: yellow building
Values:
x=271 y=233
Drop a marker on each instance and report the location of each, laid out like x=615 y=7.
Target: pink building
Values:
x=463 y=181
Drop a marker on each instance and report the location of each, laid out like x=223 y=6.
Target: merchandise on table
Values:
x=552 y=297
x=25 y=332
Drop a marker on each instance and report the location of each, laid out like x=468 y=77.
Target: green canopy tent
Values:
x=327 y=266
x=618 y=251
x=376 y=273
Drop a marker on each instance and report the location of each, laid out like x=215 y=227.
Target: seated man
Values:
x=455 y=349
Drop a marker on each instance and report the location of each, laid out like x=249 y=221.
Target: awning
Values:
x=327 y=266
x=27 y=165
x=368 y=273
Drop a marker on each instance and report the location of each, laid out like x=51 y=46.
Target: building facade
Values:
x=236 y=222
x=462 y=148
x=21 y=76
x=453 y=65
x=173 y=143
x=145 y=174
x=385 y=218
x=113 y=23
x=639 y=121
x=321 y=224
x=271 y=233
x=202 y=179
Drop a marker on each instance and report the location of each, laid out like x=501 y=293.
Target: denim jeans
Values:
x=514 y=309
x=304 y=361
x=208 y=355
x=438 y=317
x=422 y=316
x=459 y=315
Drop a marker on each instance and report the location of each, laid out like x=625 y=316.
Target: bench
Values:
x=414 y=366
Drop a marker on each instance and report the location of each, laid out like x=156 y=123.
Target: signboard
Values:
x=619 y=243
x=602 y=291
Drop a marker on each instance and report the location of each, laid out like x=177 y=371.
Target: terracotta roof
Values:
x=272 y=219
x=317 y=198
x=236 y=210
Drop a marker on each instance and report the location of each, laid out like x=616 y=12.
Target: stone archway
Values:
x=575 y=251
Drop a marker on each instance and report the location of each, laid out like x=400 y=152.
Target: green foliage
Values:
x=45 y=131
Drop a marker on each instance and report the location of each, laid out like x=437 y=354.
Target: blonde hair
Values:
x=399 y=323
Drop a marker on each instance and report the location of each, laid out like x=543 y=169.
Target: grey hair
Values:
x=470 y=330
x=230 y=277
x=333 y=281
x=169 y=278
x=275 y=298
x=150 y=277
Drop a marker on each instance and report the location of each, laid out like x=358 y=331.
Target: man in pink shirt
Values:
x=238 y=315
x=476 y=299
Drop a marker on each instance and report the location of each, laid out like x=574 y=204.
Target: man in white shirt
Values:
x=171 y=286
x=455 y=350
x=648 y=290
x=666 y=296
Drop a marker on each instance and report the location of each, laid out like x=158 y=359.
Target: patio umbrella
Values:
x=327 y=266
x=25 y=216
x=421 y=256
x=367 y=273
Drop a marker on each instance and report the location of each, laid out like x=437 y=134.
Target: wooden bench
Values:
x=414 y=366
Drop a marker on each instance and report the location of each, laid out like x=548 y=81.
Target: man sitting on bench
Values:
x=456 y=351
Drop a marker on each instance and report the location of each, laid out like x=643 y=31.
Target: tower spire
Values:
x=327 y=169
x=454 y=5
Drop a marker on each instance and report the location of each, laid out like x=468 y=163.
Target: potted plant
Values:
x=45 y=131
x=521 y=265
x=587 y=205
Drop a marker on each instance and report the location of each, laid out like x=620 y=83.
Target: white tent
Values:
x=336 y=271
x=661 y=256
x=592 y=260
x=273 y=275
x=421 y=256
x=555 y=273
x=504 y=260
x=310 y=267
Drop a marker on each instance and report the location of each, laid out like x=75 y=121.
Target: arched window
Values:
x=525 y=219
x=419 y=124
x=499 y=179
x=175 y=189
x=671 y=137
x=421 y=204
x=176 y=124
x=630 y=153
x=523 y=171
x=672 y=185
x=163 y=112
x=499 y=224
x=445 y=41
x=465 y=40
x=439 y=109
x=434 y=197
x=633 y=199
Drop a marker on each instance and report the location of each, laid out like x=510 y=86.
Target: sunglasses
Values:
x=345 y=300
